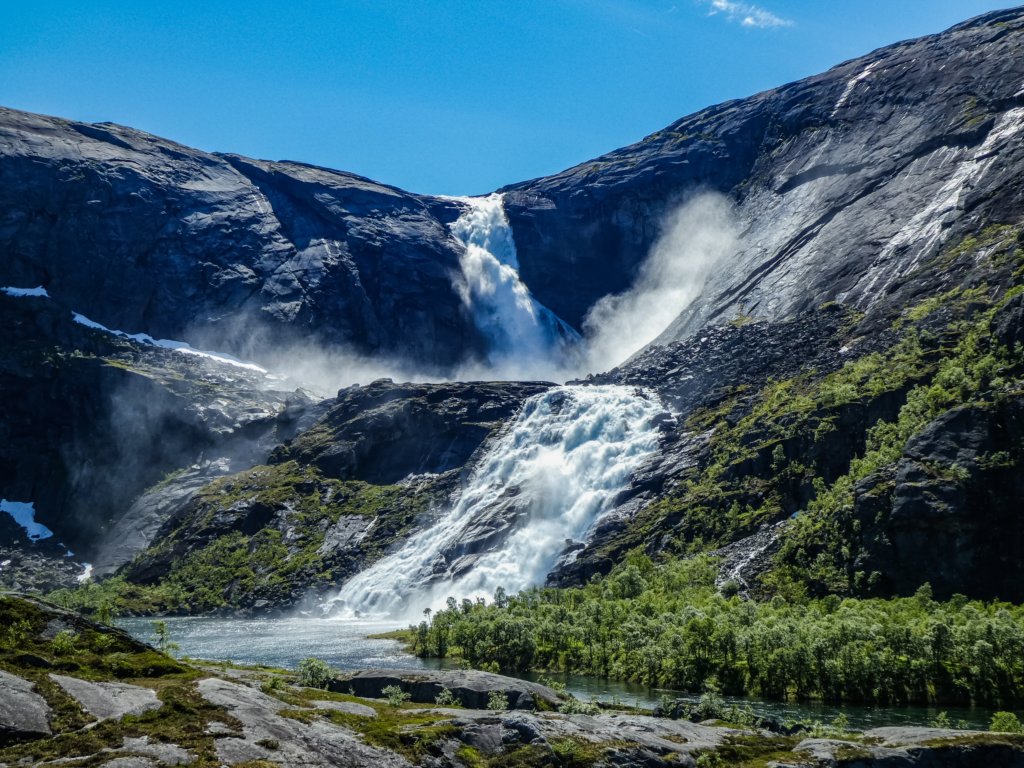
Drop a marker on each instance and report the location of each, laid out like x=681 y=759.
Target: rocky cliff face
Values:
x=847 y=182
x=146 y=235
x=92 y=419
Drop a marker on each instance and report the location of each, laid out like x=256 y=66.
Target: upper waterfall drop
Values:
x=524 y=338
x=547 y=479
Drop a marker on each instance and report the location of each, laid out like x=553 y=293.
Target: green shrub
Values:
x=573 y=706
x=64 y=642
x=710 y=760
x=314 y=673
x=395 y=695
x=1005 y=722
x=447 y=699
x=497 y=700
x=273 y=685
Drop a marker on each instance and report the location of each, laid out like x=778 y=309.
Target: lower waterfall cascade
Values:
x=554 y=471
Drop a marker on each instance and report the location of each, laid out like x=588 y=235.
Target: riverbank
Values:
x=81 y=693
x=348 y=645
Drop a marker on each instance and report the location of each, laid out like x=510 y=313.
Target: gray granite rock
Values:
x=912 y=747
x=164 y=754
x=472 y=687
x=318 y=743
x=901 y=736
x=106 y=701
x=24 y=714
x=129 y=762
x=348 y=707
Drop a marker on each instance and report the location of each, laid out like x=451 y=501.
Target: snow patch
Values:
x=37 y=291
x=851 y=84
x=24 y=514
x=174 y=346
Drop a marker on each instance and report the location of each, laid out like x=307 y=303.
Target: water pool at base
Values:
x=344 y=644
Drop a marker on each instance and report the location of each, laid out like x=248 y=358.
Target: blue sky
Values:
x=452 y=97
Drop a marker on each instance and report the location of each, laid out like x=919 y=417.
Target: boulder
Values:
x=473 y=688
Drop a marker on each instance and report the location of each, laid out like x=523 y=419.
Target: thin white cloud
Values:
x=747 y=14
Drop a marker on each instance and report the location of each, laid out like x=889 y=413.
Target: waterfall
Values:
x=543 y=483
x=524 y=338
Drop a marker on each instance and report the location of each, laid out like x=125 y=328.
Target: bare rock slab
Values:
x=348 y=707
x=165 y=754
x=24 y=714
x=294 y=743
x=106 y=701
x=129 y=762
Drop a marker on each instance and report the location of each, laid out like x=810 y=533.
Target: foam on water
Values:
x=524 y=338
x=553 y=473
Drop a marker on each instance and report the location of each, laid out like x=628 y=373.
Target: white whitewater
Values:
x=562 y=462
x=524 y=337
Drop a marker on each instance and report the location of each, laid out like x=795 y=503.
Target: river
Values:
x=345 y=645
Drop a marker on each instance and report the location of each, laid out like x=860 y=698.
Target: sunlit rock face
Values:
x=847 y=182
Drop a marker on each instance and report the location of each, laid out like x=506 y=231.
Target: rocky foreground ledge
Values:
x=75 y=693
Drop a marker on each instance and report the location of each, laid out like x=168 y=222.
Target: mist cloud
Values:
x=698 y=235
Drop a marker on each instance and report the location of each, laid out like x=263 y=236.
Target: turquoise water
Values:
x=343 y=643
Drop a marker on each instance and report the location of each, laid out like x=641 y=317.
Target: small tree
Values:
x=447 y=699
x=163 y=638
x=105 y=613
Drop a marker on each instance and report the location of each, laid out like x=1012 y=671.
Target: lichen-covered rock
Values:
x=286 y=741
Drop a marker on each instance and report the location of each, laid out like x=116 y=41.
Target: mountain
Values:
x=842 y=397
x=846 y=182
x=147 y=235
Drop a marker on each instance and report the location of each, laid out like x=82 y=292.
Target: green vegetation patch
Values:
x=257 y=535
x=35 y=642
x=667 y=625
